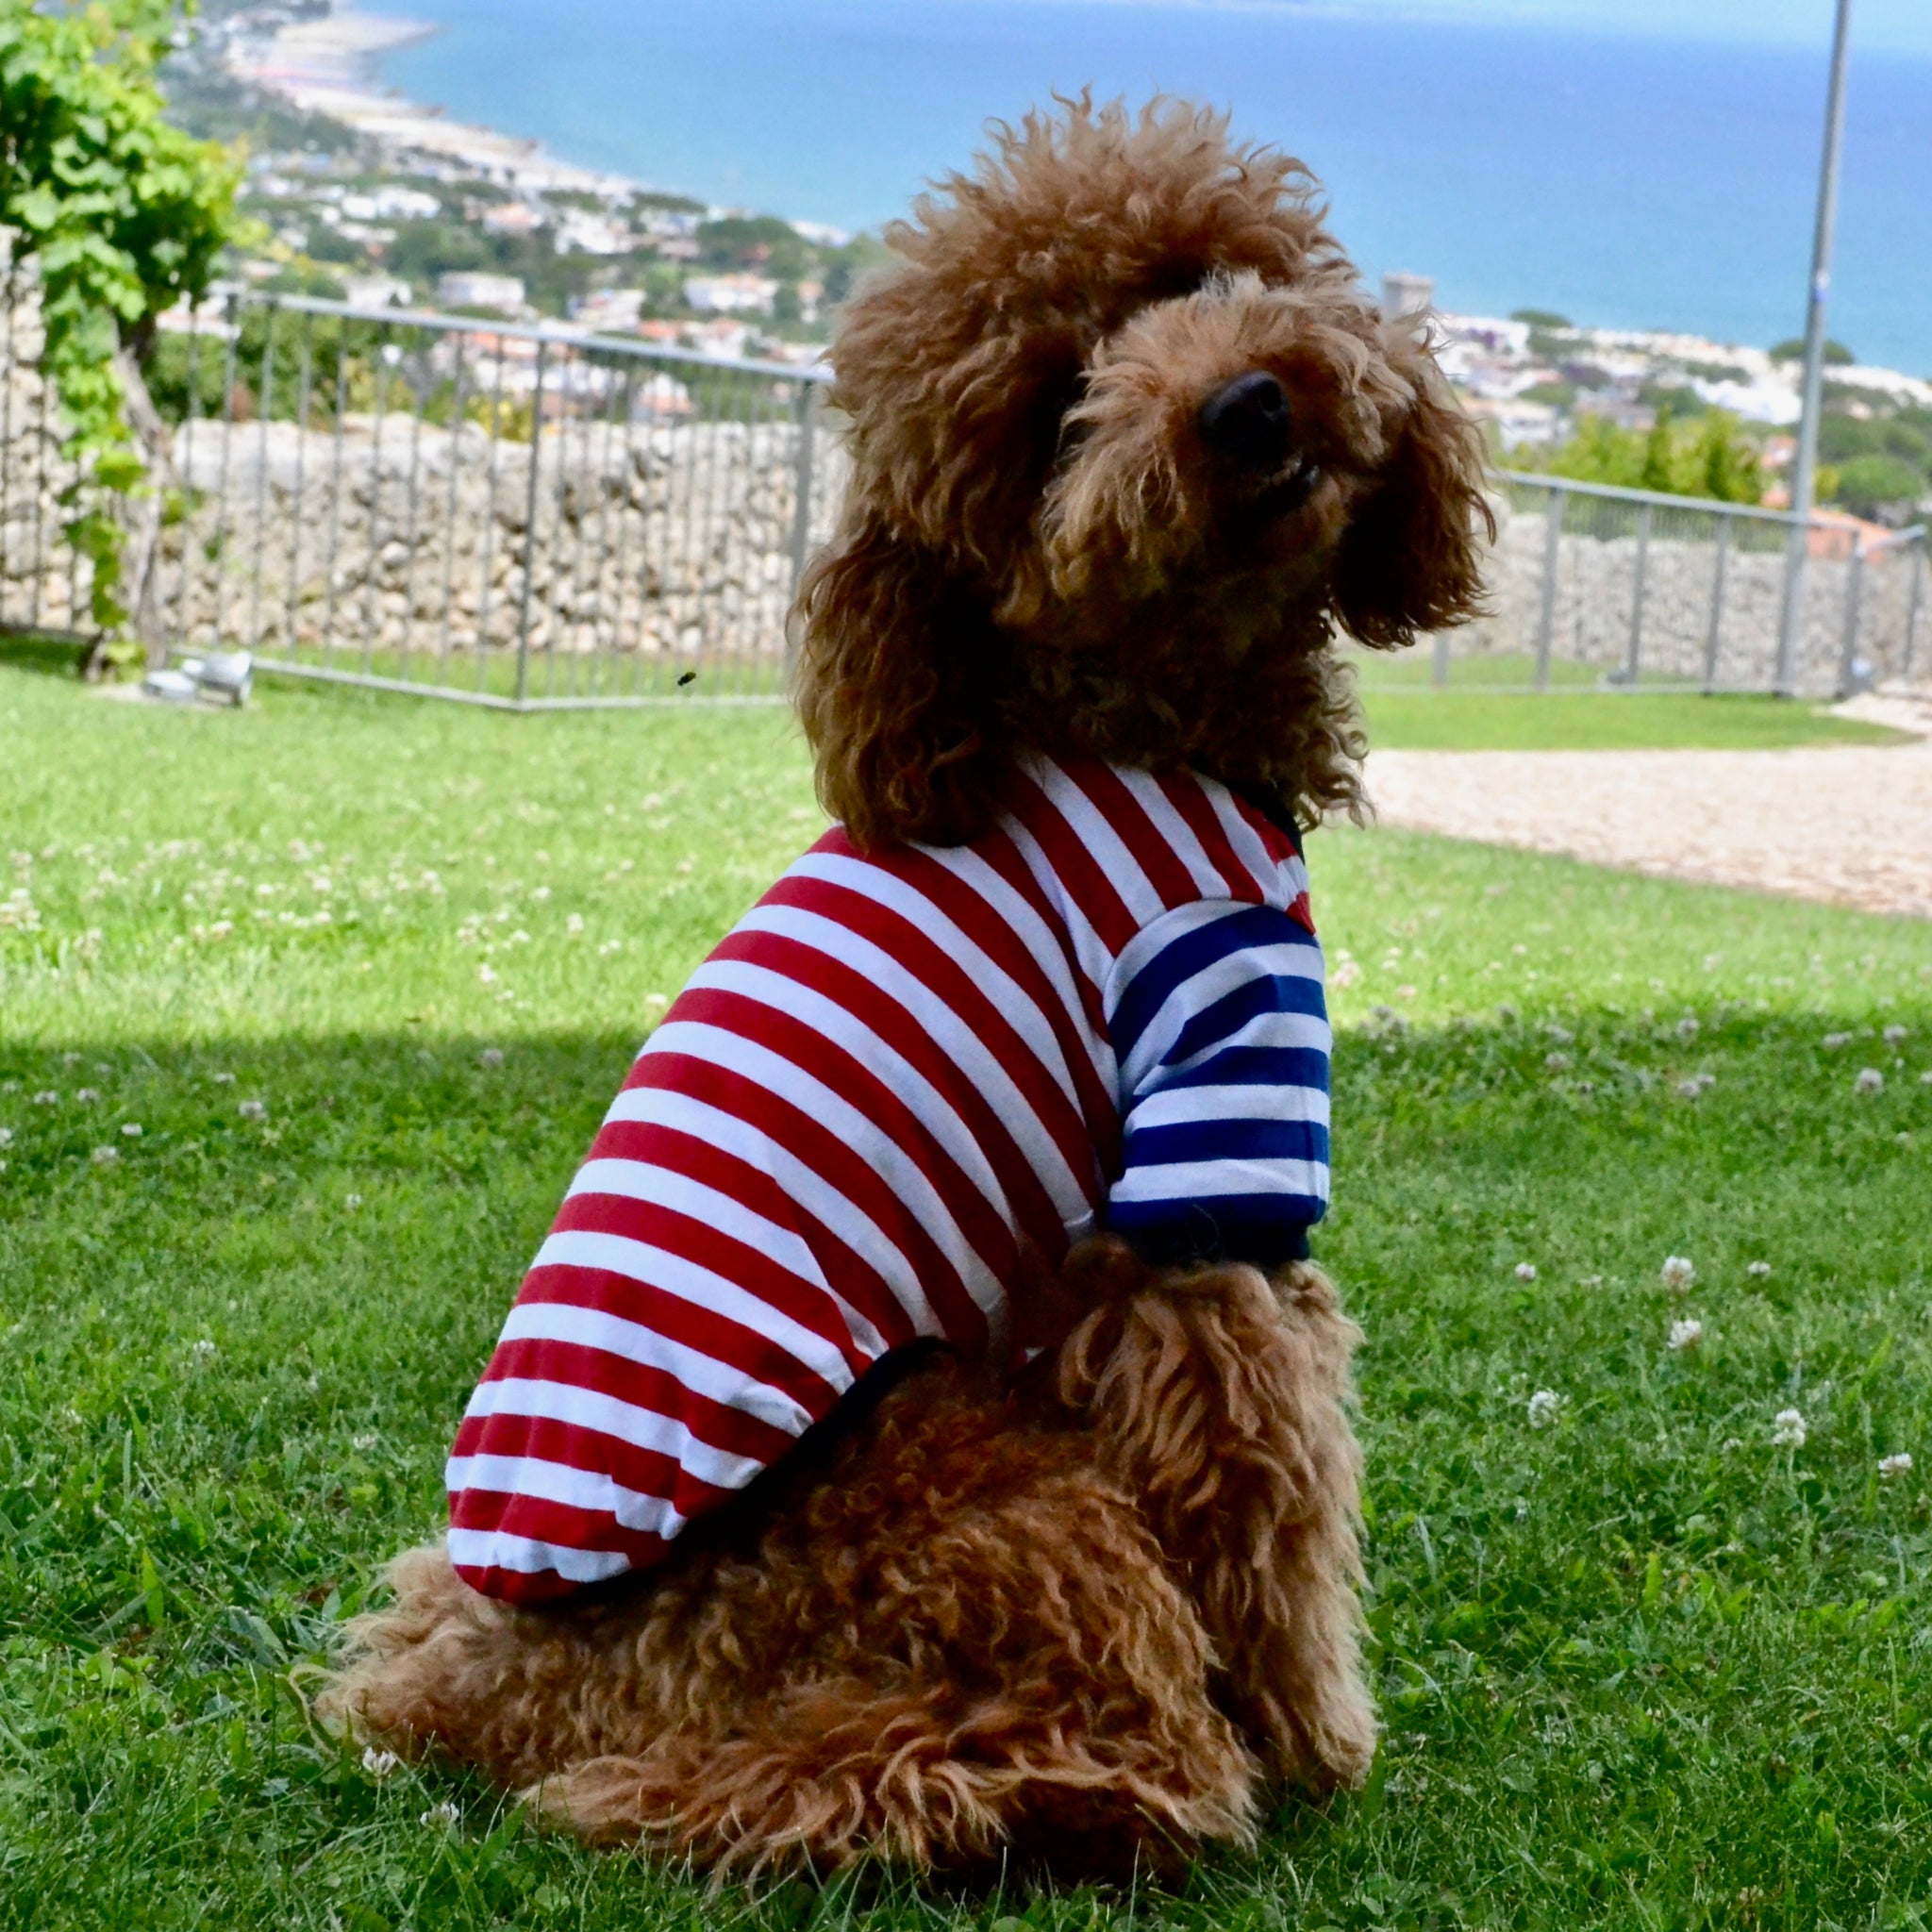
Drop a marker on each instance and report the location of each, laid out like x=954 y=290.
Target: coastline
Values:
x=330 y=66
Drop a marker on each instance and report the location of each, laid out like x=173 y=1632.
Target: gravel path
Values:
x=1851 y=825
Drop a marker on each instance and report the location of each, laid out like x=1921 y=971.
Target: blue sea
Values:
x=1626 y=182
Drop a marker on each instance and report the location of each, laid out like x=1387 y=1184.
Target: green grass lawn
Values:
x=1640 y=1663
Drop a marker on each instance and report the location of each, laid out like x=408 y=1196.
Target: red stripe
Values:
x=815 y=1147
x=1074 y=865
x=963 y=904
x=932 y=966
x=1164 y=868
x=908 y=1035
x=648 y=1471
x=717 y=1425
x=1183 y=791
x=1002 y=854
x=899 y=1128
x=849 y=1274
x=705 y=1330
x=709 y=1247
x=1280 y=847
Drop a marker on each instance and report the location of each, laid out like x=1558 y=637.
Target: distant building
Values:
x=1405 y=294
x=473 y=288
x=376 y=291
x=514 y=218
x=609 y=312
x=739 y=294
x=390 y=204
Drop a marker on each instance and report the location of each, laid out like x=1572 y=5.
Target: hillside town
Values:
x=362 y=196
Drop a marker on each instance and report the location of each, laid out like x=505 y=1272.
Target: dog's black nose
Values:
x=1249 y=421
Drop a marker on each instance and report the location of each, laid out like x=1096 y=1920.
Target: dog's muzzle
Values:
x=1248 y=423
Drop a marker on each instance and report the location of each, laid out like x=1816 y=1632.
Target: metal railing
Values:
x=524 y=516
x=532 y=517
x=1595 y=587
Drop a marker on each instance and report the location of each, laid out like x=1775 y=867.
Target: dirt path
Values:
x=1851 y=825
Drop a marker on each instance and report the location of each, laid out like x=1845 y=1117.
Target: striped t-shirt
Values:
x=900 y=1073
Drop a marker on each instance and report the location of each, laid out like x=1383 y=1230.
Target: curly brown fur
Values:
x=1040 y=554
x=1092 y=1614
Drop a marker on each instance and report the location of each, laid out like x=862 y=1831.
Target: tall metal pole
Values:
x=1804 y=469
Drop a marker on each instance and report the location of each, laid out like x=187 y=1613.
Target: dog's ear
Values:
x=897 y=689
x=1410 y=559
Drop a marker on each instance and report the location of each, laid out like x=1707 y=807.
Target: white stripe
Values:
x=1279 y=1030
x=495 y=1549
x=1091 y=955
x=965 y=1050
x=1170 y=1107
x=557 y=1482
x=830 y=1019
x=1192 y=997
x=703 y=1287
x=1206 y=1180
x=591 y=1408
x=850 y=1223
x=1097 y=833
x=662 y=1187
x=896 y=1170
x=1283 y=879
x=1042 y=944
x=1175 y=831
x=536 y=1320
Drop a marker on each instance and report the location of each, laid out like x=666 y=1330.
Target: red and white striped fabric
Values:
x=898 y=1072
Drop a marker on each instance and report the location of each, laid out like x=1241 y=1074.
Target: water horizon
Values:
x=1628 y=182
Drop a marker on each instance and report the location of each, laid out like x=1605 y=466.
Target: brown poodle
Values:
x=1129 y=445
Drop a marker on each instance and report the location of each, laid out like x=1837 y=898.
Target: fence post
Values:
x=1546 y=619
x=1717 y=605
x=801 y=508
x=530 y=527
x=1855 y=586
x=1440 y=659
x=1919 y=550
x=1634 y=664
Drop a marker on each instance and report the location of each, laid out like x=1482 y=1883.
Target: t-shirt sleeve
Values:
x=1221 y=1033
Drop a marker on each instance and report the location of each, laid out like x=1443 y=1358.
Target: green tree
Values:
x=1709 y=457
x=1792 y=350
x=1867 y=485
x=122 y=214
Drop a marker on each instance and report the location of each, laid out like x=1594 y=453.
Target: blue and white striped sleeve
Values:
x=1220 y=1032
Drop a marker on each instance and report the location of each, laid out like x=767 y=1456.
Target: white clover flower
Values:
x=1560 y=1034
x=574 y=925
x=657 y=999
x=442 y=1817
x=608 y=947
x=1592 y=1281
x=222 y=1079
x=1684 y=1335
x=1692 y=1089
x=539 y=894
x=1895 y=1036
x=253 y=1109
x=1832 y=1042
x=1925 y=1079
x=46 y=1097
x=88 y=1095
x=204 y=1351
x=1870 y=1081
x=1556 y=1062
x=1687 y=1026
x=6 y=1137
x=1787 y=1429
x=1677 y=1274
x=379 y=1764
x=1893 y=1466
x=1544 y=1407
x=351 y=1202
x=1757 y=1270
x=491 y=1056
x=487 y=973
x=105 y=1157
x=363 y=1445
x=1526 y=1270
x=132 y=1129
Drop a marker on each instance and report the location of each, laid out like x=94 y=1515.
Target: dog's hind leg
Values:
x=515 y=1693
x=1219 y=1400
x=1009 y=1667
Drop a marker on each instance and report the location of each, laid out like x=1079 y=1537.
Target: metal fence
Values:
x=532 y=517
x=1590 y=586
x=522 y=516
